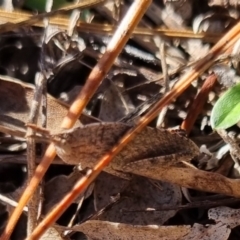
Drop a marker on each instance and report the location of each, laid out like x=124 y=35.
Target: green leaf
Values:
x=226 y=111
x=39 y=5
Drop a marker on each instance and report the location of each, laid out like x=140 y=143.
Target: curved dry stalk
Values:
x=202 y=65
x=198 y=103
x=114 y=48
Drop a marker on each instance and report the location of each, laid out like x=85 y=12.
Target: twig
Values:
x=201 y=97
x=100 y=70
x=98 y=28
x=160 y=44
x=202 y=65
x=198 y=103
x=114 y=48
x=31 y=155
x=141 y=109
x=201 y=204
x=35 y=201
x=11 y=202
x=21 y=159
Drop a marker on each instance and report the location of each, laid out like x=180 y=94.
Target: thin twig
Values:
x=100 y=70
x=161 y=45
x=35 y=201
x=202 y=65
x=114 y=48
x=22 y=159
x=198 y=103
x=206 y=204
x=31 y=155
x=11 y=202
x=106 y=29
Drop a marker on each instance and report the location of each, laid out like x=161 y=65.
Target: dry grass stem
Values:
x=198 y=103
x=31 y=155
x=161 y=46
x=97 y=28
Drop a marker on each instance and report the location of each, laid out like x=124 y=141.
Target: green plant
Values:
x=226 y=111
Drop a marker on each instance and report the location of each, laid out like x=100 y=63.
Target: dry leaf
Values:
x=186 y=177
x=69 y=97
x=209 y=232
x=143 y=193
x=226 y=76
x=107 y=186
x=16 y=99
x=225 y=215
x=114 y=105
x=172 y=19
x=53 y=234
x=109 y=230
x=62 y=185
x=195 y=48
x=223 y=3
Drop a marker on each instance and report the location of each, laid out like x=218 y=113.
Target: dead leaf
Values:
x=106 y=187
x=195 y=48
x=114 y=105
x=225 y=215
x=108 y=230
x=53 y=234
x=62 y=185
x=68 y=97
x=209 y=232
x=186 y=177
x=143 y=193
x=16 y=99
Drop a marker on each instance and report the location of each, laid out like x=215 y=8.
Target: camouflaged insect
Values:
x=86 y=145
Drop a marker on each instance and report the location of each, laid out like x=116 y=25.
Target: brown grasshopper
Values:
x=157 y=147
